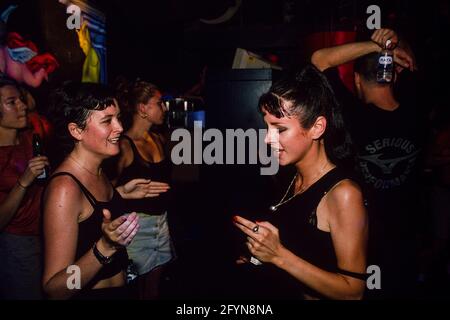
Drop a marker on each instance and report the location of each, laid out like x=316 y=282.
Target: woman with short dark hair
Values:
x=316 y=235
x=86 y=224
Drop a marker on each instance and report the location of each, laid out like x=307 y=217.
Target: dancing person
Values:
x=86 y=223
x=313 y=244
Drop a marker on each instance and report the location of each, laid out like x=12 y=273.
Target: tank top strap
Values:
x=330 y=179
x=85 y=191
x=323 y=186
x=133 y=146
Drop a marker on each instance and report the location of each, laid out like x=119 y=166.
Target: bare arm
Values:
x=11 y=204
x=61 y=211
x=349 y=229
x=327 y=58
x=335 y=56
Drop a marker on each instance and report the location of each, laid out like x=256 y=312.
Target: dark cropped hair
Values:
x=74 y=102
x=130 y=95
x=366 y=66
x=308 y=95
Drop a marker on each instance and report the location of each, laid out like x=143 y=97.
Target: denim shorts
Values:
x=20 y=267
x=152 y=245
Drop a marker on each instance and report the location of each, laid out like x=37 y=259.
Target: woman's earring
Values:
x=143 y=115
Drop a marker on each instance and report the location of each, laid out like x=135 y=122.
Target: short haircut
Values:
x=74 y=102
x=366 y=66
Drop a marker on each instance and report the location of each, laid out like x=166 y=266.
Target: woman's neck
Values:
x=8 y=137
x=314 y=165
x=139 y=127
x=86 y=161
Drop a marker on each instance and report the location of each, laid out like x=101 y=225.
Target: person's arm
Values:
x=331 y=57
x=136 y=188
x=349 y=228
x=61 y=211
x=11 y=203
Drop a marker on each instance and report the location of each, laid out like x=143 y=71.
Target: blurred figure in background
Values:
x=20 y=250
x=142 y=156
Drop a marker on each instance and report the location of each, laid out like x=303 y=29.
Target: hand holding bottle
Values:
x=36 y=166
x=381 y=36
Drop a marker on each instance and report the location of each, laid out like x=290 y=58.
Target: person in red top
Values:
x=20 y=256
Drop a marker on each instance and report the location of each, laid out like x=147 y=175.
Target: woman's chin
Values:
x=113 y=151
x=282 y=160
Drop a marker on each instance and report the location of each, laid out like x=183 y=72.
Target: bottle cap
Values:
x=388 y=43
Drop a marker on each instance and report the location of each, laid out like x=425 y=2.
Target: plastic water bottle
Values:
x=385 y=70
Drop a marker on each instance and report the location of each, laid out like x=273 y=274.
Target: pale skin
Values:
x=341 y=212
x=65 y=206
x=13 y=117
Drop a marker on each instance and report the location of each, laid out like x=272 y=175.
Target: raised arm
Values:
x=334 y=56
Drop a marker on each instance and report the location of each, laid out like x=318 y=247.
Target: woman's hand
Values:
x=263 y=239
x=34 y=169
x=142 y=188
x=121 y=231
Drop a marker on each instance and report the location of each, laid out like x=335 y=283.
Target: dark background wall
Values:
x=165 y=42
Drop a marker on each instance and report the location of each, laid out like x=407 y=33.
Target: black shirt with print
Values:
x=388 y=145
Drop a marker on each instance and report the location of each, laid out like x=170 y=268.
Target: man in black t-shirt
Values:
x=387 y=136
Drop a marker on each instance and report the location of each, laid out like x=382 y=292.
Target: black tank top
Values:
x=90 y=231
x=296 y=221
x=142 y=169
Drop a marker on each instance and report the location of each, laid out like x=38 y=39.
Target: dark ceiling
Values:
x=164 y=40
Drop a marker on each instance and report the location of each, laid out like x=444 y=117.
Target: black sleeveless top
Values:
x=90 y=231
x=296 y=221
x=142 y=169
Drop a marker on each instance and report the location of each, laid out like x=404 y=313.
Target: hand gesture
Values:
x=144 y=188
x=381 y=36
x=121 y=231
x=34 y=169
x=263 y=239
